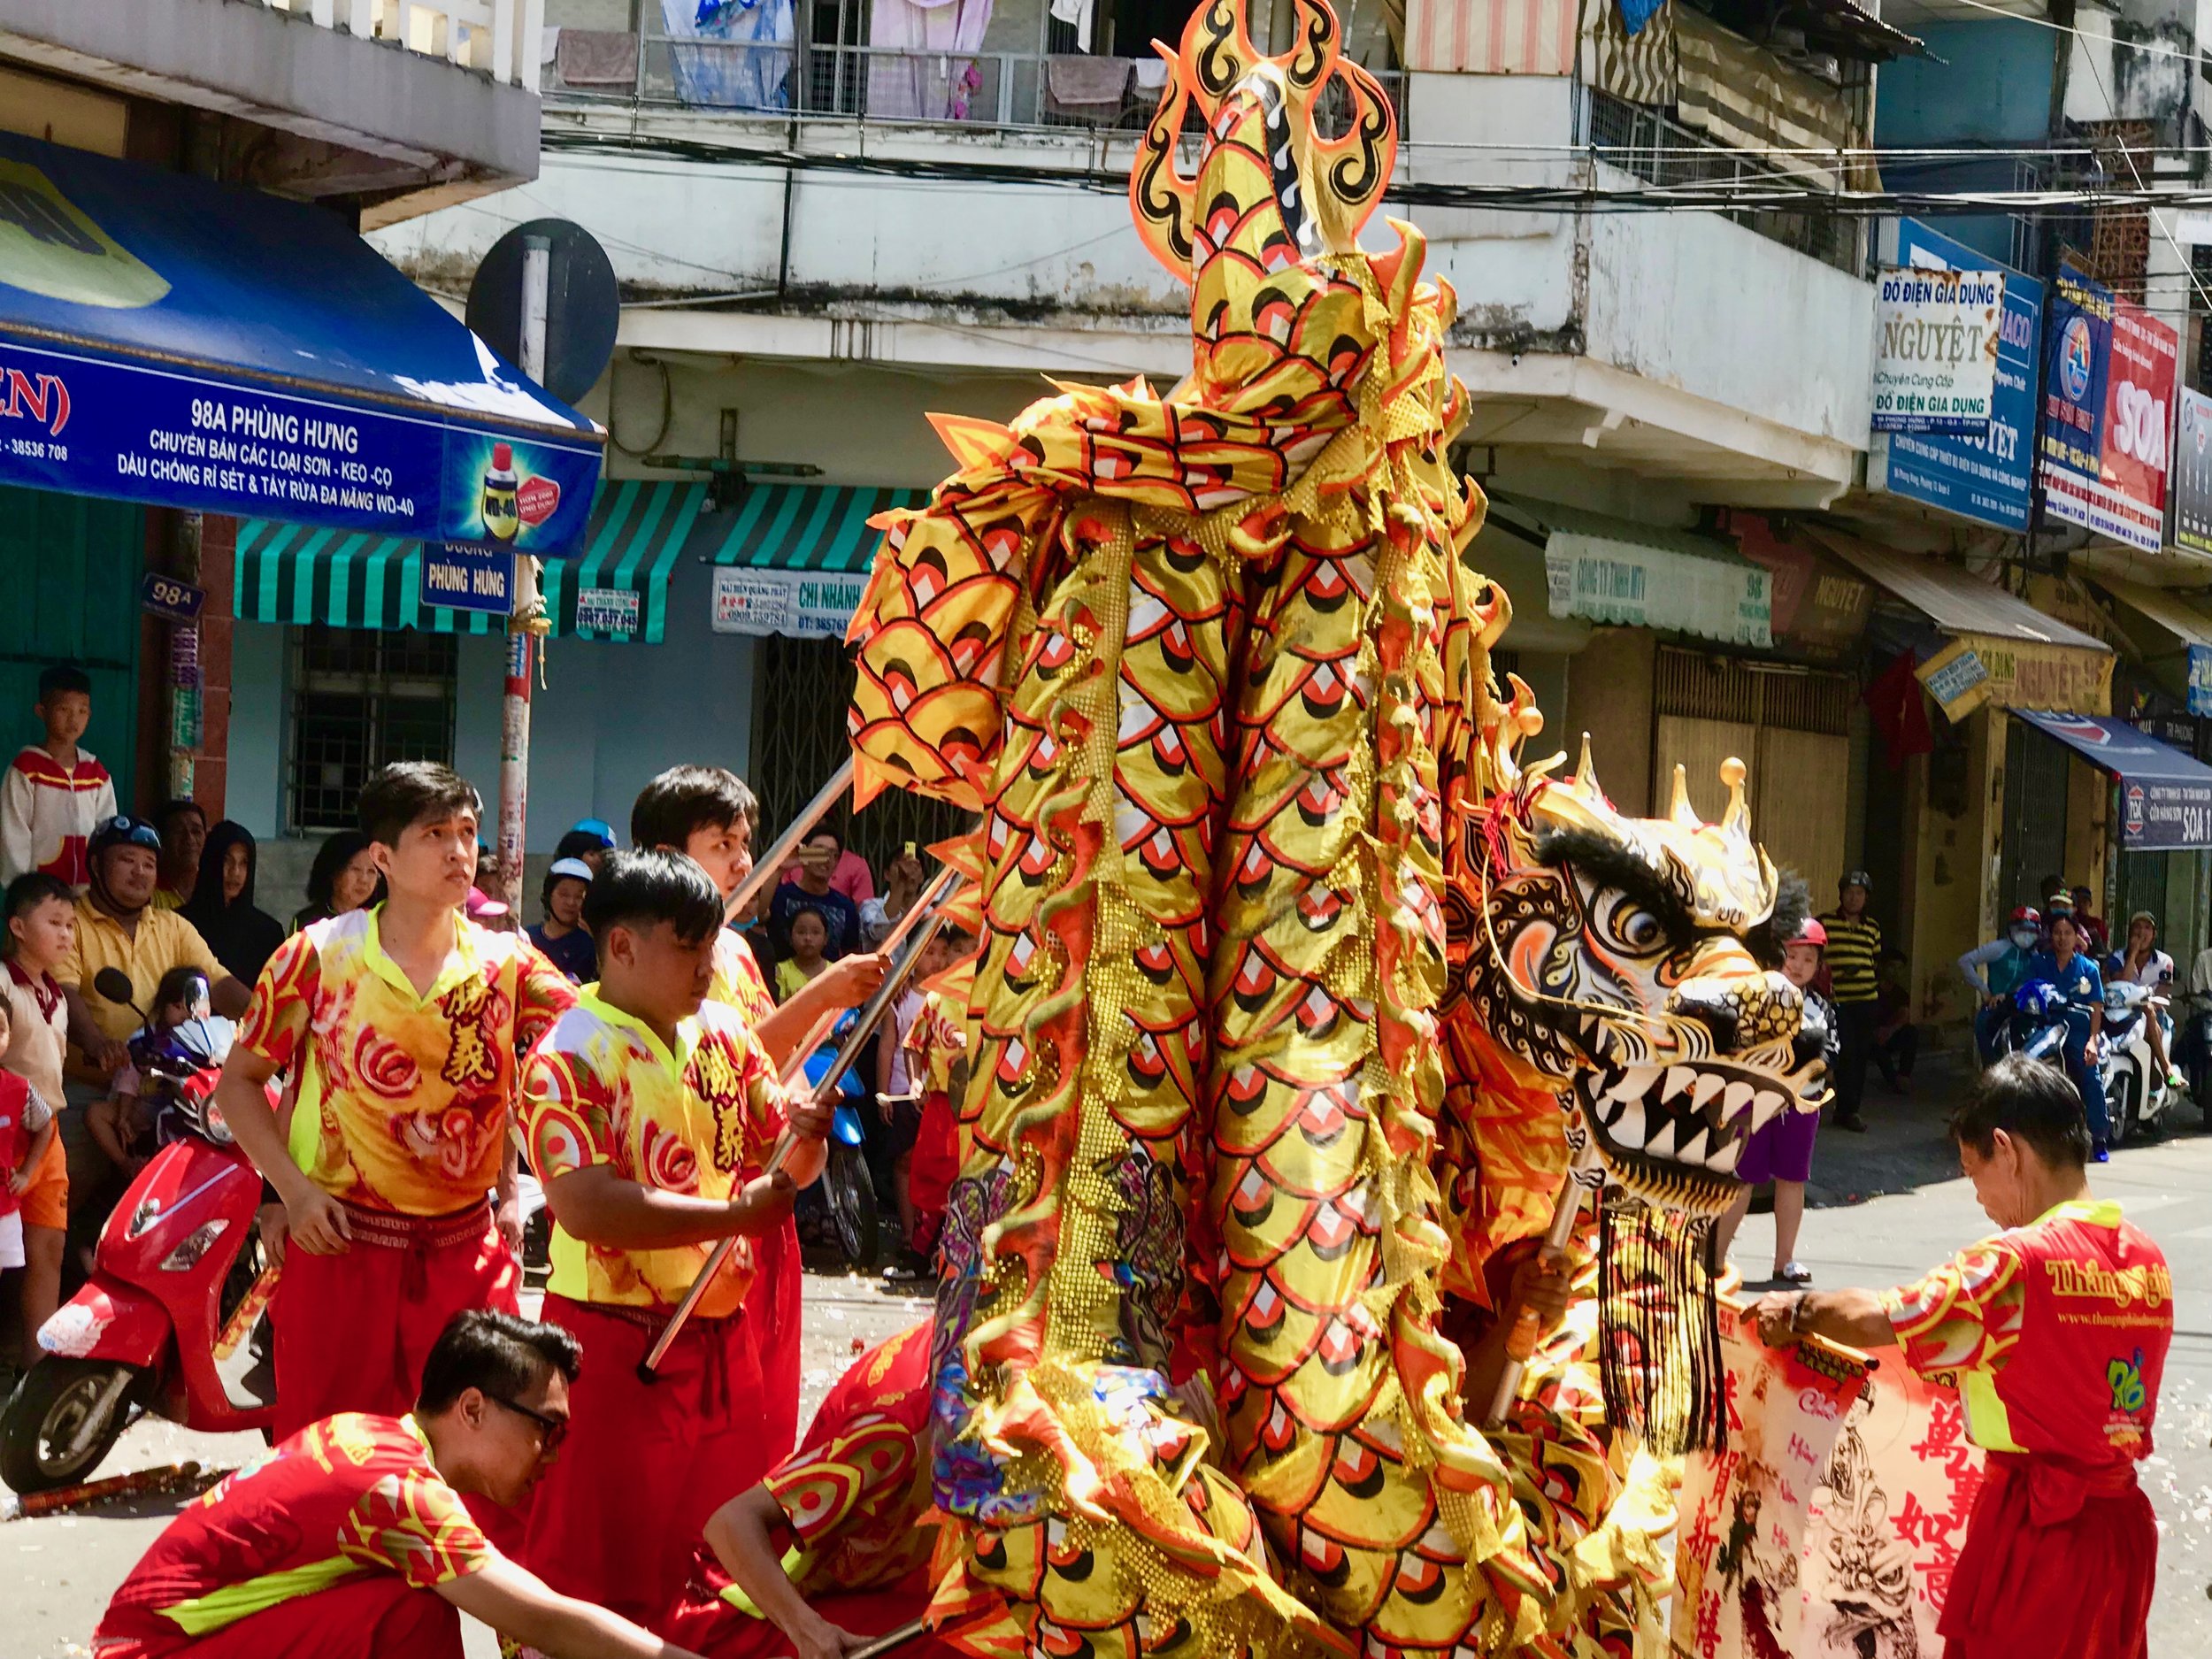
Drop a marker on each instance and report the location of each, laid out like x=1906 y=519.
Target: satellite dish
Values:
x=582 y=308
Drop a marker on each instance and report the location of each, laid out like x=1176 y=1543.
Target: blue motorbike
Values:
x=2038 y=1025
x=848 y=1191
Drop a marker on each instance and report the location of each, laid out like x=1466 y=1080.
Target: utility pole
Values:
x=514 y=727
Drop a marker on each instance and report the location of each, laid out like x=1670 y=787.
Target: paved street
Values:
x=1887 y=1205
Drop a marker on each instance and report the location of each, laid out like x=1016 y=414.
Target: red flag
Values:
x=1900 y=714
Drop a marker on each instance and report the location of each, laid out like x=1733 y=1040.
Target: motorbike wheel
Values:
x=2121 y=1108
x=852 y=1205
x=49 y=1411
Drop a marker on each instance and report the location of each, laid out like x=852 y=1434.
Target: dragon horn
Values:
x=1737 y=820
x=1585 y=777
x=1681 y=811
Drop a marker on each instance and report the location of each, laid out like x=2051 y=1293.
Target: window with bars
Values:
x=361 y=699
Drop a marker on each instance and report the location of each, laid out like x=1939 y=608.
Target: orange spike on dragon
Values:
x=1213 y=667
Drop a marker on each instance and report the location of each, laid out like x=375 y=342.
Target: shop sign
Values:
x=1957 y=678
x=2200 y=679
x=1816 y=605
x=1936 y=336
x=467 y=579
x=2191 y=480
x=2108 y=393
x=1983 y=474
x=607 y=611
x=1623 y=585
x=804 y=604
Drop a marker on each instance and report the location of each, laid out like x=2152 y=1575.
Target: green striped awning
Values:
x=288 y=572
x=800 y=526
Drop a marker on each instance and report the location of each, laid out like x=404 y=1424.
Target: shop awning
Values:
x=1614 y=571
x=2003 y=649
x=2182 y=630
x=615 y=588
x=2165 y=795
x=169 y=340
x=794 y=558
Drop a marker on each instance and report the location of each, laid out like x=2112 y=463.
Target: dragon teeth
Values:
x=1765 y=1108
x=1697 y=1150
x=1634 y=1082
x=1737 y=1096
x=1628 y=1128
x=1678 y=1078
x=1725 y=1160
x=1709 y=1085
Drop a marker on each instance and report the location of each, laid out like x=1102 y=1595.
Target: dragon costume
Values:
x=1285 y=967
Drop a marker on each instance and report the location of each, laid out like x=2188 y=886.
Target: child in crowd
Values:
x=42 y=934
x=1781 y=1149
x=121 y=1124
x=809 y=939
x=562 y=935
x=937 y=1063
x=54 y=792
x=26 y=1134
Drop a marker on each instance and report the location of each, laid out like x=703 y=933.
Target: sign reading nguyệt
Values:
x=1937 y=334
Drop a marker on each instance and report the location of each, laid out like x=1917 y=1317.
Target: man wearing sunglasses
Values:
x=352 y=1540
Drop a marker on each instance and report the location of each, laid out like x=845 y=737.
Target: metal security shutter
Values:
x=1791 y=728
x=2037 y=773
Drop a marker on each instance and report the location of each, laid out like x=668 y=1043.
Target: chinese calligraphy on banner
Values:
x=1888 y=1521
x=1830 y=1527
x=1739 y=1591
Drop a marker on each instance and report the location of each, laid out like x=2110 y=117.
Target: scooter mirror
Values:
x=115 y=985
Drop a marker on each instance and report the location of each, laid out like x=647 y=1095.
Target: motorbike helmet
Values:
x=122 y=830
x=2025 y=916
x=1858 y=878
x=1811 y=934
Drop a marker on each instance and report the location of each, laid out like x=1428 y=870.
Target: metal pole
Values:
x=769 y=864
x=514 y=725
x=871 y=1016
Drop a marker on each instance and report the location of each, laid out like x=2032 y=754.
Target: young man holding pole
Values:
x=2055 y=1332
x=651 y=1115
x=709 y=815
x=404 y=1025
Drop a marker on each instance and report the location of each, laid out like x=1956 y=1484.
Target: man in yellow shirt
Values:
x=404 y=1025
x=650 y=1115
x=118 y=926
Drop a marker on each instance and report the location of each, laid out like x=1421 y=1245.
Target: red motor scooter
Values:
x=177 y=1287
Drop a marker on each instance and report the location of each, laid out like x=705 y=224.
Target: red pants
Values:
x=352 y=1330
x=375 y=1616
x=718 y=1630
x=614 y=1520
x=2055 y=1565
x=935 y=1167
x=771 y=1324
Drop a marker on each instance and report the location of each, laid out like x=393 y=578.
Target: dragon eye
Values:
x=1636 y=928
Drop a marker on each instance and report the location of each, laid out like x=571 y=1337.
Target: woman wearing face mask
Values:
x=2143 y=962
x=1995 y=970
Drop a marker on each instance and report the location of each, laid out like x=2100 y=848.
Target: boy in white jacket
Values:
x=54 y=793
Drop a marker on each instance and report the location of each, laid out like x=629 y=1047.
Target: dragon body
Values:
x=1265 y=1061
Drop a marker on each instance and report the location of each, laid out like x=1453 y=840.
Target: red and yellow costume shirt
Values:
x=856 y=1495
x=2054 y=1334
x=700 y=1121
x=404 y=1099
x=935 y=1043
x=737 y=979
x=351 y=1494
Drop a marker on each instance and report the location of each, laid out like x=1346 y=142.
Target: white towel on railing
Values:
x=1078 y=13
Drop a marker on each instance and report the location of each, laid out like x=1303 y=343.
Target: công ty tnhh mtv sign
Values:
x=1936 y=340
x=804 y=604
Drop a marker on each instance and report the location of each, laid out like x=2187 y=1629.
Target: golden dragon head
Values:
x=1273 y=204
x=1632 y=960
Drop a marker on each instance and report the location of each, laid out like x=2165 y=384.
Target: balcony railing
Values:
x=1640 y=141
x=499 y=38
x=1016 y=90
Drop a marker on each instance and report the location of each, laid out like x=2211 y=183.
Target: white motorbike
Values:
x=2136 y=1091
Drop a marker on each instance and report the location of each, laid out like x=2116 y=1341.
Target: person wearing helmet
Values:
x=591 y=840
x=1996 y=970
x=1855 y=945
x=1781 y=1149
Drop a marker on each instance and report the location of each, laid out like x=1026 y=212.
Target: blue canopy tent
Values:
x=168 y=340
x=2165 y=795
